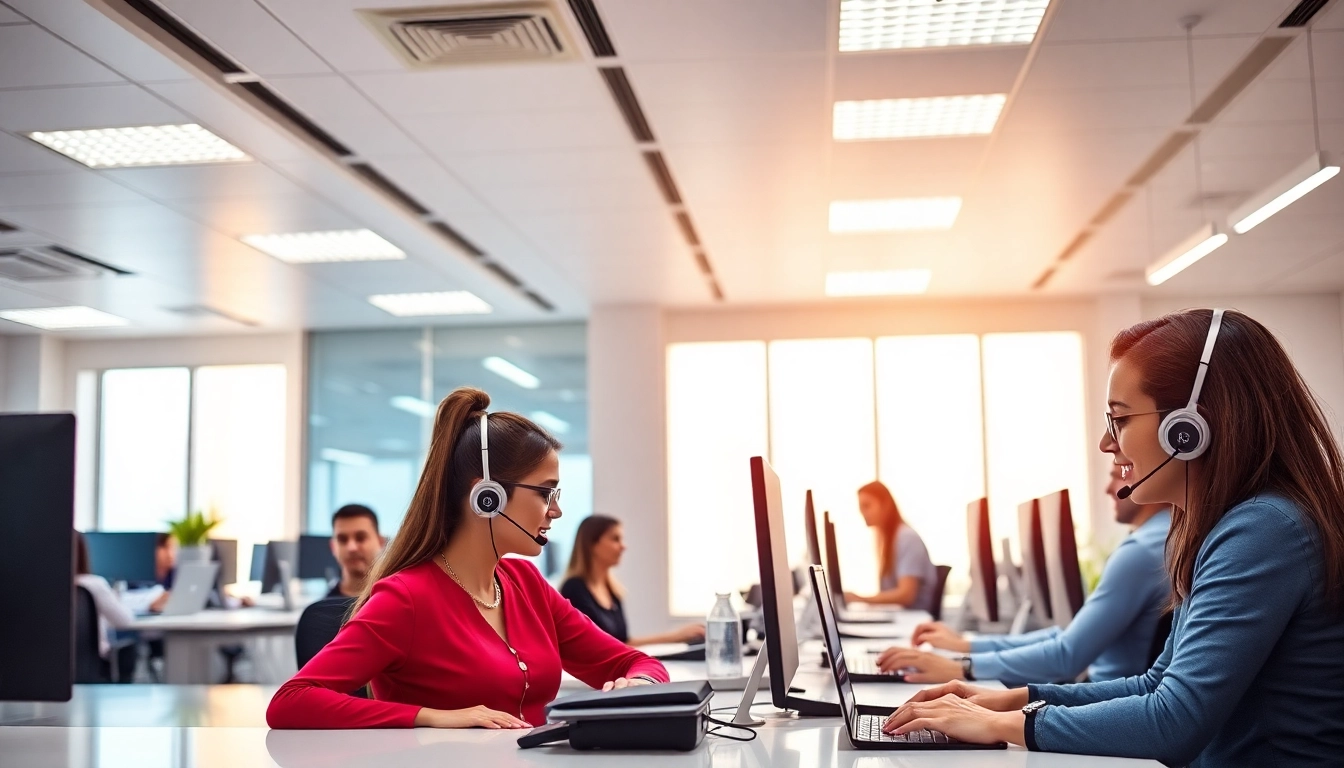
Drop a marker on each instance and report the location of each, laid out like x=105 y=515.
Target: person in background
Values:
x=165 y=568
x=908 y=577
x=1252 y=673
x=591 y=587
x=111 y=613
x=1113 y=632
x=356 y=544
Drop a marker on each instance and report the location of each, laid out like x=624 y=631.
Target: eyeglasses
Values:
x=551 y=495
x=1114 y=423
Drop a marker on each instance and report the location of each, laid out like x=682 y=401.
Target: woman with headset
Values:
x=449 y=634
x=1208 y=415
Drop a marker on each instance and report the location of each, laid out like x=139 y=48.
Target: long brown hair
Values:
x=517 y=446
x=591 y=531
x=1268 y=432
x=887 y=525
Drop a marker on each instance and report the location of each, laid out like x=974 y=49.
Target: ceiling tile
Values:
x=106 y=106
x=695 y=29
x=1151 y=19
x=31 y=57
x=345 y=113
x=446 y=135
x=62 y=189
x=250 y=35
x=469 y=90
x=224 y=181
x=102 y=38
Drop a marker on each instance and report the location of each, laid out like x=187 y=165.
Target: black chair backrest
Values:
x=318 y=626
x=88 y=664
x=1160 y=635
x=939 y=586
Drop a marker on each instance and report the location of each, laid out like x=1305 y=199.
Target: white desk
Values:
x=190 y=642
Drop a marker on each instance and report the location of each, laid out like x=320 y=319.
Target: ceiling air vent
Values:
x=50 y=263
x=497 y=33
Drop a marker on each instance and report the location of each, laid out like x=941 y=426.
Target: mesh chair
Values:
x=318 y=626
x=936 y=611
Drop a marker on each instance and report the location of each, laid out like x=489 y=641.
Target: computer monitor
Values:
x=276 y=551
x=37 y=522
x=122 y=556
x=810 y=529
x=258 y=569
x=226 y=554
x=984 y=596
x=1032 y=548
x=316 y=560
x=781 y=634
x=1061 y=557
x=833 y=560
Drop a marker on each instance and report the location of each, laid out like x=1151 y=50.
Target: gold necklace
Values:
x=479 y=601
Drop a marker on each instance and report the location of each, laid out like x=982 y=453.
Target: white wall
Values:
x=31 y=373
x=288 y=349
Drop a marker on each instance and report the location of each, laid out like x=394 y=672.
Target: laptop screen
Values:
x=830 y=631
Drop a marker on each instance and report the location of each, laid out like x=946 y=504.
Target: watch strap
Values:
x=1029 y=714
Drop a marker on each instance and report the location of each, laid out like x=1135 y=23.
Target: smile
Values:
x=1126 y=470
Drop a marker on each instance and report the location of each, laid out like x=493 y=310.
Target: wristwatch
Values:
x=1029 y=725
x=967 y=668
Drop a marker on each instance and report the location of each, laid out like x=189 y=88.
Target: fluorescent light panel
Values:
x=143 y=145
x=1318 y=169
x=889 y=282
x=63 y=318
x=550 y=421
x=318 y=247
x=897 y=214
x=875 y=25
x=501 y=367
x=916 y=118
x=413 y=405
x=425 y=304
x=1204 y=241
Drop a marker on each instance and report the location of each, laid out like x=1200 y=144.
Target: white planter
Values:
x=197 y=554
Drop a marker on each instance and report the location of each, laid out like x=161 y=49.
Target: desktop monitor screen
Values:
x=781 y=636
x=810 y=528
x=316 y=560
x=1033 y=560
x=275 y=552
x=119 y=556
x=833 y=559
x=258 y=562
x=984 y=578
x=37 y=517
x=226 y=554
x=1061 y=557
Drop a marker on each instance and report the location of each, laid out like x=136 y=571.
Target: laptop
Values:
x=192 y=585
x=863 y=723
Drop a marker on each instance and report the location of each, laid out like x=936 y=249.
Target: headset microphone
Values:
x=537 y=537
x=488 y=497
x=1124 y=492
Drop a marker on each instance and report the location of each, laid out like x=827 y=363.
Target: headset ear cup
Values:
x=1186 y=431
x=488 y=499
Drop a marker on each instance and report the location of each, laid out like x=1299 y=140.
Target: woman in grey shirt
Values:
x=908 y=577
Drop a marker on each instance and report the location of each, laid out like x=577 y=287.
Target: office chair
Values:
x=940 y=585
x=90 y=667
x=1159 y=638
x=318 y=625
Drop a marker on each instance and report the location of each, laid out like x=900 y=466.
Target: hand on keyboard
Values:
x=870 y=729
x=959 y=719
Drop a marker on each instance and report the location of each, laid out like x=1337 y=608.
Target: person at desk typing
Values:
x=1252 y=673
x=356 y=544
x=590 y=586
x=449 y=634
x=1112 y=636
x=908 y=576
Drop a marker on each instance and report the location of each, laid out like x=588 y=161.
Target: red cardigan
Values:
x=421 y=642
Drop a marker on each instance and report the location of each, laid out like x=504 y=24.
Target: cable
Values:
x=722 y=725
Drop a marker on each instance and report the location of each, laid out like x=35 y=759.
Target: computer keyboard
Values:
x=870 y=729
x=865 y=664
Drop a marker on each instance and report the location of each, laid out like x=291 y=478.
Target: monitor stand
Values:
x=804 y=707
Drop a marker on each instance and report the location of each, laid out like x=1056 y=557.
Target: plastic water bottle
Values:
x=723 y=640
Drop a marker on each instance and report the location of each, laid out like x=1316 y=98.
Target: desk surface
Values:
x=236 y=620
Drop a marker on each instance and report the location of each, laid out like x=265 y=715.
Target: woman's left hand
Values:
x=959 y=719
x=921 y=667
x=624 y=682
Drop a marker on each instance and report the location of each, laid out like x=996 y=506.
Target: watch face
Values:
x=1033 y=707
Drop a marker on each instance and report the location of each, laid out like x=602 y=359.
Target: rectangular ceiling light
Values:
x=141 y=145
x=887 y=282
x=425 y=304
x=916 y=118
x=63 y=318
x=413 y=405
x=876 y=25
x=320 y=247
x=550 y=422
x=896 y=214
x=502 y=367
x=1318 y=169
x=1204 y=241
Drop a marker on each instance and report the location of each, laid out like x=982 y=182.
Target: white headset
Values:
x=488 y=498
x=1184 y=433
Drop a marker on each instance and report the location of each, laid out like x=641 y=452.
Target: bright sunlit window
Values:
x=143 y=449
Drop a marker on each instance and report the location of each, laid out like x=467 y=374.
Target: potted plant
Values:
x=193 y=533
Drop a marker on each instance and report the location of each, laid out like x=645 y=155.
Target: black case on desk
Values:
x=656 y=717
x=663 y=732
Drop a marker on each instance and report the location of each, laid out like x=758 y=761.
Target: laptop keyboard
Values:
x=865 y=664
x=869 y=728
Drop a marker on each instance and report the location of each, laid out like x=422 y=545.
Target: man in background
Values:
x=355 y=543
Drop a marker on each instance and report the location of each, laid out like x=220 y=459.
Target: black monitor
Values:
x=122 y=556
x=1032 y=547
x=781 y=634
x=984 y=596
x=316 y=560
x=258 y=562
x=810 y=528
x=226 y=554
x=1061 y=557
x=833 y=559
x=37 y=521
x=277 y=551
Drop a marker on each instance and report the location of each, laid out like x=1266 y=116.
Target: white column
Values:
x=31 y=368
x=626 y=382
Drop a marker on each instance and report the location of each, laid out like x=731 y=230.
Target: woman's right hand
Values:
x=939 y=635
x=473 y=717
x=998 y=700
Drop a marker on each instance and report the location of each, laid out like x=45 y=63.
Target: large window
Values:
x=942 y=420
x=373 y=396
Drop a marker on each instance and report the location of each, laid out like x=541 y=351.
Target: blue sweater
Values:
x=1252 y=675
x=1113 y=631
